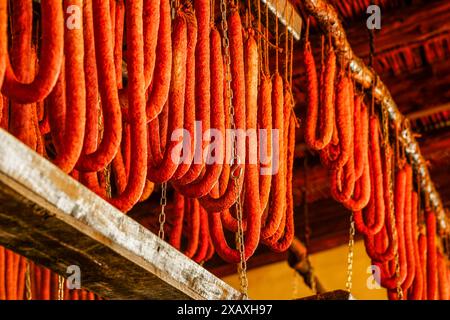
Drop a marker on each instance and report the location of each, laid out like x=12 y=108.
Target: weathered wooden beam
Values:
x=53 y=220
x=287 y=15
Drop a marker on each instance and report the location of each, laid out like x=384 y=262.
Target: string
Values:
x=286 y=48
x=276 y=36
x=292 y=50
x=267 y=40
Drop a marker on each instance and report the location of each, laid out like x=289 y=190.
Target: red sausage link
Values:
x=136 y=101
x=417 y=290
x=432 y=274
x=326 y=118
x=211 y=203
x=265 y=126
x=386 y=254
x=423 y=261
x=21 y=278
x=213 y=168
x=92 y=99
x=202 y=87
x=177 y=222
x=218 y=238
x=165 y=169
x=159 y=92
x=11 y=266
x=358 y=202
x=278 y=203
x=4 y=124
x=151 y=27
x=75 y=96
x=361 y=136
x=50 y=61
x=204 y=238
x=45 y=284
x=444 y=290
x=409 y=246
x=400 y=198
x=342 y=181
x=3 y=42
x=285 y=241
x=189 y=103
x=344 y=123
x=112 y=117
x=192 y=208
x=377 y=183
x=118 y=25
x=21 y=124
x=2 y=273
x=56 y=105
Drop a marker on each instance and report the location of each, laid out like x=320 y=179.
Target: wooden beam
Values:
x=53 y=220
x=287 y=15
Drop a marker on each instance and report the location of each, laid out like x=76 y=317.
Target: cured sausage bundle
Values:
x=123 y=95
x=374 y=180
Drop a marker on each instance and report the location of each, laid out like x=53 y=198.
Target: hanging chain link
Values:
x=28 y=280
x=162 y=214
x=61 y=281
x=107 y=174
x=242 y=266
x=351 y=245
x=236 y=172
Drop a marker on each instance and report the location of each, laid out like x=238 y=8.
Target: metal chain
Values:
x=61 y=281
x=107 y=174
x=28 y=280
x=242 y=266
x=236 y=172
x=162 y=214
x=351 y=244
